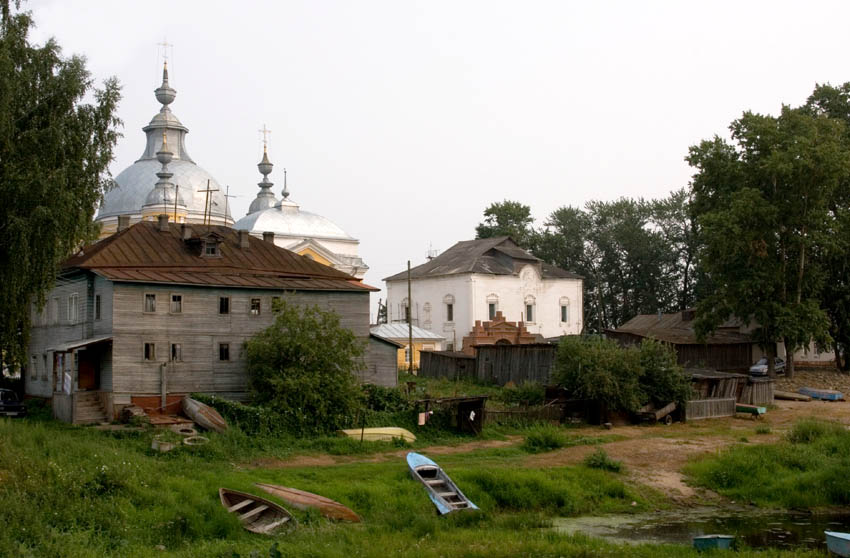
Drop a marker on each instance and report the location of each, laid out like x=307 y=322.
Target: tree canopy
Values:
x=508 y=218
x=54 y=152
x=304 y=366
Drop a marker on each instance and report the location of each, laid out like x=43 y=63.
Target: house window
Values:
x=491 y=310
x=255 y=306
x=176 y=352
x=150 y=351
x=224 y=305
x=150 y=303
x=450 y=347
x=210 y=248
x=565 y=313
x=275 y=302
x=176 y=304
x=72 y=308
x=529 y=312
x=450 y=312
x=224 y=351
x=96 y=307
x=44 y=367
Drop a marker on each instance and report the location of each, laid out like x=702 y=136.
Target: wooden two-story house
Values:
x=162 y=309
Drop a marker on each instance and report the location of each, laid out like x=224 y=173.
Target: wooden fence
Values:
x=709 y=408
x=548 y=412
x=446 y=364
x=500 y=364
x=758 y=391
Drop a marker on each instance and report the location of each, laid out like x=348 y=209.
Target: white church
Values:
x=166 y=180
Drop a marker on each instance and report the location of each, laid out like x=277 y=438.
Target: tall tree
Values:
x=763 y=202
x=508 y=218
x=54 y=153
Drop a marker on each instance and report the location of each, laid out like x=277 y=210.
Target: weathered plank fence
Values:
x=446 y=364
x=500 y=364
x=709 y=408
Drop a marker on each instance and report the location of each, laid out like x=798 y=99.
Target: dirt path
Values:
x=653 y=455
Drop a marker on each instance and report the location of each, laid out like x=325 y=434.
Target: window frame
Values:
x=171 y=302
x=259 y=308
x=148 y=355
x=225 y=300
x=224 y=352
x=491 y=311
x=215 y=252
x=175 y=353
x=450 y=312
x=145 y=303
x=73 y=308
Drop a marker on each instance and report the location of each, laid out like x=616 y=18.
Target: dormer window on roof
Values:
x=211 y=249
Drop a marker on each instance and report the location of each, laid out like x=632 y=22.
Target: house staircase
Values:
x=88 y=408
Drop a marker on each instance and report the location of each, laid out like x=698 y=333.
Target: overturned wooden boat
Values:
x=203 y=415
x=383 y=434
x=838 y=543
x=822 y=394
x=790 y=396
x=303 y=500
x=257 y=514
x=441 y=489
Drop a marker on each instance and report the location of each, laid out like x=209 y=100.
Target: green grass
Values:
x=806 y=470
x=600 y=460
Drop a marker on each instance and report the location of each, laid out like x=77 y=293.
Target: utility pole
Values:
x=409 y=321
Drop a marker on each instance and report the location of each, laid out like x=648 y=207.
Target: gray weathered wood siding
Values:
x=381 y=360
x=51 y=328
x=446 y=364
x=501 y=364
x=199 y=329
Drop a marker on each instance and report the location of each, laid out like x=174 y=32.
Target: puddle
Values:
x=753 y=528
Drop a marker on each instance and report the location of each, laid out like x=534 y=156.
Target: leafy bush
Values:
x=662 y=380
x=543 y=438
x=624 y=378
x=599 y=369
x=379 y=398
x=251 y=419
x=303 y=365
x=526 y=394
x=600 y=460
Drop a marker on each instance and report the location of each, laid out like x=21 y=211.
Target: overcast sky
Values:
x=401 y=121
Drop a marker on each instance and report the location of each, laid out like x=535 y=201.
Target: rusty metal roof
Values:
x=673 y=328
x=144 y=254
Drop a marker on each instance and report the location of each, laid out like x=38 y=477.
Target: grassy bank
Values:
x=807 y=469
x=69 y=491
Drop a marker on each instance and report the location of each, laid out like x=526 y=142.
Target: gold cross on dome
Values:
x=165 y=45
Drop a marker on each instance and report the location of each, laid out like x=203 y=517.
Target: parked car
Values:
x=760 y=368
x=11 y=405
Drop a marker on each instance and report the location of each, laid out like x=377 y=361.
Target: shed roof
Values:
x=144 y=254
x=675 y=328
x=400 y=331
x=492 y=256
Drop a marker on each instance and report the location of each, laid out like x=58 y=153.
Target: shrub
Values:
x=304 y=365
x=544 y=438
x=662 y=380
x=250 y=418
x=379 y=398
x=528 y=394
x=763 y=430
x=810 y=430
x=599 y=369
x=600 y=460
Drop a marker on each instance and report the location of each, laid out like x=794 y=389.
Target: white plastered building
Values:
x=475 y=279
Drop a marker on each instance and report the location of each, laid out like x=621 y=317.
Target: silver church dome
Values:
x=136 y=182
x=287 y=219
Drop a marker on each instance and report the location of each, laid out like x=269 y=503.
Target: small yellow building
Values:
x=423 y=340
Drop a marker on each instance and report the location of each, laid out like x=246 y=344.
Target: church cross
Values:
x=265 y=133
x=165 y=44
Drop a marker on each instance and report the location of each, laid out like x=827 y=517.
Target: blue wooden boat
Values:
x=822 y=394
x=707 y=542
x=441 y=489
x=838 y=543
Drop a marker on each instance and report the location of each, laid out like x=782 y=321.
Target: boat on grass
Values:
x=441 y=489
x=383 y=434
x=256 y=514
x=303 y=500
x=838 y=543
x=822 y=394
x=708 y=542
x=204 y=415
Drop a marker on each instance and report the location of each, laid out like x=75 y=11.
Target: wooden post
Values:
x=409 y=321
x=163 y=380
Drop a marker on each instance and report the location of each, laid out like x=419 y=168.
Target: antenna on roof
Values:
x=226 y=196
x=432 y=253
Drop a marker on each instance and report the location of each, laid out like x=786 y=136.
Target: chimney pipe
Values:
x=162 y=222
x=123 y=222
x=243 y=239
x=268 y=236
x=185 y=231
